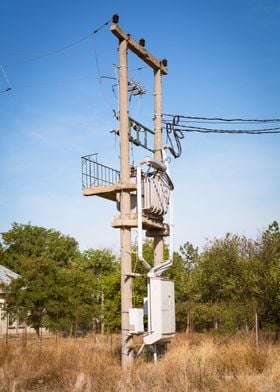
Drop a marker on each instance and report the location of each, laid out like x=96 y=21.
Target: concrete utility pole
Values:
x=158 y=240
x=126 y=279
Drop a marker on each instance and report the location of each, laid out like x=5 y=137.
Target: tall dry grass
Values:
x=196 y=363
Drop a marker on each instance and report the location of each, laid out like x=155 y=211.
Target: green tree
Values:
x=182 y=273
x=268 y=264
x=226 y=282
x=112 y=302
x=25 y=240
x=31 y=293
x=59 y=298
x=55 y=288
x=104 y=268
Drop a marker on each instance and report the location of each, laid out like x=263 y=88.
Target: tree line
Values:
x=220 y=287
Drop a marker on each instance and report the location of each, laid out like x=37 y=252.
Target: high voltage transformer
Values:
x=152 y=200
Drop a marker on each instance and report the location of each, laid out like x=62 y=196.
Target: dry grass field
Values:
x=193 y=363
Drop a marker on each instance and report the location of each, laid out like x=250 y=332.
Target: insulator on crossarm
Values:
x=115 y=18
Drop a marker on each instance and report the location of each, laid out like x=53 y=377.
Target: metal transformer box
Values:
x=136 y=320
x=161 y=311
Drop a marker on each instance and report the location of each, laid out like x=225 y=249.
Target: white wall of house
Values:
x=7 y=325
x=14 y=327
x=3 y=318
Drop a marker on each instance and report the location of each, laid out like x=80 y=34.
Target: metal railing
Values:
x=95 y=174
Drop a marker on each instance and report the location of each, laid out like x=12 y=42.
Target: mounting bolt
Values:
x=142 y=42
x=164 y=62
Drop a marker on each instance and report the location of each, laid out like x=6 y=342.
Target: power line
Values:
x=189 y=128
x=8 y=88
x=56 y=51
x=175 y=128
x=232 y=131
x=241 y=120
x=101 y=77
x=223 y=122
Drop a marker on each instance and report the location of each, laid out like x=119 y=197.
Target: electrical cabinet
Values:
x=136 y=320
x=161 y=310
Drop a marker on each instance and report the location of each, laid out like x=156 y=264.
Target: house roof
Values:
x=6 y=275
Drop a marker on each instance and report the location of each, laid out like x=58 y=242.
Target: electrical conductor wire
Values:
x=56 y=51
x=223 y=119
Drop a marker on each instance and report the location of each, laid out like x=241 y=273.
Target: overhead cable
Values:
x=224 y=119
x=189 y=128
x=175 y=134
x=175 y=129
x=232 y=131
x=56 y=51
x=8 y=88
x=245 y=122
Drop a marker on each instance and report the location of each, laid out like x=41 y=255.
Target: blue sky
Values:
x=223 y=60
